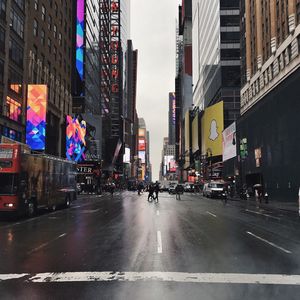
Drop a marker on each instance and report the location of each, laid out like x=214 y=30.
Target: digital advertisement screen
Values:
x=142 y=145
x=142 y=156
x=80 y=37
x=75 y=139
x=36 y=116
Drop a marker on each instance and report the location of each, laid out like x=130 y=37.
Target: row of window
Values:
x=271 y=72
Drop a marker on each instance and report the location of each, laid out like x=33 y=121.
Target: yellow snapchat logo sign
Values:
x=212 y=125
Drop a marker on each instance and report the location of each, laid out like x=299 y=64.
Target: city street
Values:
x=123 y=247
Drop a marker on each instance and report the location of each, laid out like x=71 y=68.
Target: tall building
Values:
x=37 y=49
x=129 y=110
x=85 y=77
x=114 y=33
x=216 y=55
x=168 y=164
x=268 y=135
x=183 y=81
x=13 y=35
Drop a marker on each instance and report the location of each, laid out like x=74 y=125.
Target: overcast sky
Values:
x=153 y=34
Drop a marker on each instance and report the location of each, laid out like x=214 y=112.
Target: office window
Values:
x=54 y=31
x=13 y=111
x=42 y=37
x=2 y=9
x=20 y=3
x=15 y=81
x=36 y=4
x=16 y=52
x=43 y=13
x=49 y=22
x=59 y=39
x=17 y=23
x=49 y=45
x=35 y=27
x=55 y=9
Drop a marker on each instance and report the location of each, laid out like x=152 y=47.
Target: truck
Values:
x=29 y=181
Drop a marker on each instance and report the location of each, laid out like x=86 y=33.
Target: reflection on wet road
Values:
x=123 y=247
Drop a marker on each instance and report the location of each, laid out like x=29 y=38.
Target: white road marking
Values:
x=269 y=243
x=159 y=242
x=157 y=212
x=213 y=215
x=258 y=213
x=77 y=206
x=226 y=278
x=45 y=244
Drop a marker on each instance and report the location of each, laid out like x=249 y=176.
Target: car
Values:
x=172 y=189
x=189 y=187
x=214 y=189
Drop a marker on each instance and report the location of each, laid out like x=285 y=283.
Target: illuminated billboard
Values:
x=172 y=100
x=142 y=144
x=142 y=156
x=142 y=132
x=80 y=37
x=126 y=156
x=75 y=139
x=229 y=142
x=170 y=163
x=36 y=116
x=212 y=125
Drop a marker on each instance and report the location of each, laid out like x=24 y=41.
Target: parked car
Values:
x=214 y=190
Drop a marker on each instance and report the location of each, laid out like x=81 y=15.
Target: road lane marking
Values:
x=157 y=212
x=269 y=243
x=213 y=215
x=159 y=242
x=46 y=244
x=77 y=206
x=258 y=213
x=226 y=278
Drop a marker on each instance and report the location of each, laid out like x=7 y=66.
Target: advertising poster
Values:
x=212 y=125
x=142 y=156
x=229 y=142
x=142 y=144
x=36 y=116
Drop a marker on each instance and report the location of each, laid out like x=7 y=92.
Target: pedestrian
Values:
x=156 y=190
x=178 y=191
x=151 y=191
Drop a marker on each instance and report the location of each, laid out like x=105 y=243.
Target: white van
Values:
x=214 y=189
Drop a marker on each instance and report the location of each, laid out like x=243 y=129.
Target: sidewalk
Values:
x=276 y=210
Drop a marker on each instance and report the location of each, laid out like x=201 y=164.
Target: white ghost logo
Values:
x=213 y=130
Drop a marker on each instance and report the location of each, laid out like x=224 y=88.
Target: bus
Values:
x=29 y=182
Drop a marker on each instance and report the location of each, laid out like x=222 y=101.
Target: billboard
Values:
x=229 y=142
x=75 y=139
x=172 y=101
x=80 y=37
x=142 y=132
x=195 y=134
x=212 y=125
x=142 y=144
x=36 y=116
x=142 y=156
x=126 y=156
x=170 y=163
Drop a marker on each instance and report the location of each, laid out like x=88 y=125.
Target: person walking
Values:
x=178 y=191
x=151 y=192
x=156 y=190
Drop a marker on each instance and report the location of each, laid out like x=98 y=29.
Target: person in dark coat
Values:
x=151 y=192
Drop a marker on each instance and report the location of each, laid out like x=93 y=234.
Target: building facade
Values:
x=13 y=35
x=268 y=132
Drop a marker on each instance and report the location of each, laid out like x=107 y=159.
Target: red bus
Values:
x=29 y=182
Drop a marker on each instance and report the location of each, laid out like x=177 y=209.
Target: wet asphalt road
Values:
x=125 y=233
